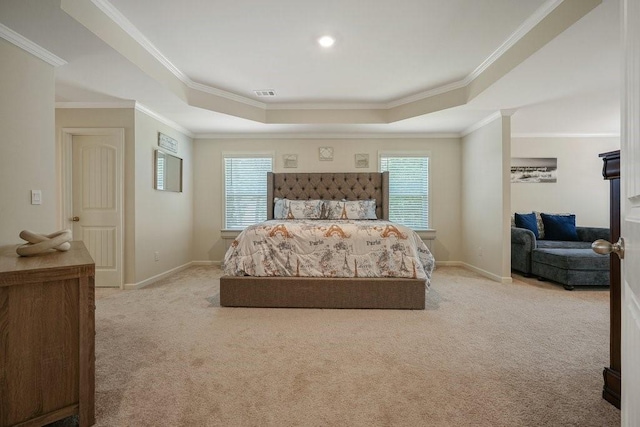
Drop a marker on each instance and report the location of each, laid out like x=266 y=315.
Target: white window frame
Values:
x=225 y=155
x=426 y=154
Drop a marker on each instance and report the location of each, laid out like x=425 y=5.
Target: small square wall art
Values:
x=362 y=160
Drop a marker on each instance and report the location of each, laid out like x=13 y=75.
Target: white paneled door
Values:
x=630 y=207
x=97 y=202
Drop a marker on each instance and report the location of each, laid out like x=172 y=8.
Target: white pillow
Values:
x=357 y=209
x=297 y=209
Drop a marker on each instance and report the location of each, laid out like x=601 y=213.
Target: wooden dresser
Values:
x=47 y=331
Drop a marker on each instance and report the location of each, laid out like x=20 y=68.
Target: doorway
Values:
x=92 y=170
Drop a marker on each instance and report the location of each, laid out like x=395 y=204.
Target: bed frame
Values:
x=317 y=292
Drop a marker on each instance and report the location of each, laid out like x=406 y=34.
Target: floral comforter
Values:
x=329 y=248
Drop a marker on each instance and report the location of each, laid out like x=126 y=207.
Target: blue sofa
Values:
x=571 y=263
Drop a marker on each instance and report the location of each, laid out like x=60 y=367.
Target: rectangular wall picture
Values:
x=167 y=142
x=534 y=170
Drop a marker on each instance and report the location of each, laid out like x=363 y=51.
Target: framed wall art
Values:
x=167 y=142
x=534 y=169
x=290 y=160
x=362 y=160
x=325 y=153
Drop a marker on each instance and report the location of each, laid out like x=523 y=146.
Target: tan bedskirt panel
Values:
x=322 y=292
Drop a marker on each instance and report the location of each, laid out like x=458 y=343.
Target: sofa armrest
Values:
x=590 y=234
x=524 y=237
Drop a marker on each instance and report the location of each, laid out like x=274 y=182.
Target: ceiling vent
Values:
x=265 y=93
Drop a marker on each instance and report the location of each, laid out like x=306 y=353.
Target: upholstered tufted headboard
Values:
x=330 y=186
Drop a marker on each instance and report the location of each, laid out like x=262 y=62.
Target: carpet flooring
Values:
x=481 y=354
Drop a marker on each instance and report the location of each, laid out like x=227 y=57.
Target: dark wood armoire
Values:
x=612 y=373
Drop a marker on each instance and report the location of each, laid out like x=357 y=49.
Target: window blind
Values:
x=408 y=189
x=160 y=174
x=245 y=190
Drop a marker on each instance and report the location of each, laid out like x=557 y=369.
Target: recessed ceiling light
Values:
x=326 y=41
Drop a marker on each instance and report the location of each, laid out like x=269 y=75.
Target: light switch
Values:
x=36 y=197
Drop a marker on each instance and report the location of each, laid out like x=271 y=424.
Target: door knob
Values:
x=603 y=247
x=75 y=219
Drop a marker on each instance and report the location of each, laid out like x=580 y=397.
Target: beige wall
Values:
x=470 y=191
x=164 y=220
x=445 y=181
x=154 y=221
x=485 y=199
x=580 y=188
x=27 y=149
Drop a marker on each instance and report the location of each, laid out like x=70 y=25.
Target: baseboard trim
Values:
x=205 y=262
x=487 y=274
x=449 y=264
x=484 y=273
x=150 y=280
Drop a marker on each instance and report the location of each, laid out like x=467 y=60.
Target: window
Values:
x=245 y=190
x=408 y=189
x=159 y=172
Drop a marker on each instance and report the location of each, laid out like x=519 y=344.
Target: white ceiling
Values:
x=197 y=62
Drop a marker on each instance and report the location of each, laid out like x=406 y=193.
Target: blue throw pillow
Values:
x=560 y=227
x=528 y=221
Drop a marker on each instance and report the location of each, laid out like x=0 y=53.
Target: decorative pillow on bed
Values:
x=560 y=227
x=333 y=209
x=280 y=208
x=343 y=209
x=297 y=209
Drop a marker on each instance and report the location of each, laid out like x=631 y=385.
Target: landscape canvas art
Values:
x=534 y=170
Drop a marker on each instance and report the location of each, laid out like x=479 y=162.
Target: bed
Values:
x=267 y=266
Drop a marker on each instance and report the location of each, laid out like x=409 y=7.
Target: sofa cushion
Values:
x=571 y=259
x=527 y=221
x=541 y=224
x=557 y=244
x=560 y=227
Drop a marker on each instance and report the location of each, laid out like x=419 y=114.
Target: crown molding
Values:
x=481 y=123
x=116 y=30
x=27 y=45
x=526 y=26
x=126 y=25
x=565 y=135
x=127 y=104
x=542 y=12
x=164 y=120
x=428 y=94
x=326 y=106
x=399 y=135
x=90 y=105
x=301 y=135
x=120 y=20
x=224 y=94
